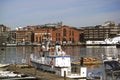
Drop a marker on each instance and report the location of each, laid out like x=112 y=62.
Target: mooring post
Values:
x=64 y=75
x=15 y=66
x=81 y=61
x=35 y=71
x=112 y=75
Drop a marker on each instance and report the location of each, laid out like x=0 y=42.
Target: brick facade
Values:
x=60 y=34
x=23 y=35
x=41 y=34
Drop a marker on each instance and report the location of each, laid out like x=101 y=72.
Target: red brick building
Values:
x=41 y=33
x=62 y=34
x=23 y=36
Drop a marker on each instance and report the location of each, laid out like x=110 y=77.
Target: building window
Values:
x=64 y=32
x=72 y=33
x=59 y=39
x=39 y=39
x=57 y=34
x=73 y=40
x=36 y=39
x=56 y=39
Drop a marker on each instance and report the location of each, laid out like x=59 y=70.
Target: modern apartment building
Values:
x=101 y=32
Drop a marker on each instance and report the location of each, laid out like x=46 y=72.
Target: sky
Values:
x=75 y=13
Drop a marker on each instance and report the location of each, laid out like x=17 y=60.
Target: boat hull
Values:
x=117 y=45
x=4 y=65
x=43 y=67
x=52 y=69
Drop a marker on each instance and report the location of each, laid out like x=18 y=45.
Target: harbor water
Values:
x=21 y=54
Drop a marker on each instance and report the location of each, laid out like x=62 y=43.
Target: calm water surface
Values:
x=22 y=54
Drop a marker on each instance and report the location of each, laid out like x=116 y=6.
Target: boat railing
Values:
x=75 y=69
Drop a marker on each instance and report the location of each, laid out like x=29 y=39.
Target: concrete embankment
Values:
x=29 y=70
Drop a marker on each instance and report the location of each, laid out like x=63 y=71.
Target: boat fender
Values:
x=52 y=63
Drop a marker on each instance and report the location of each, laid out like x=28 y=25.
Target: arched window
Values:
x=64 y=32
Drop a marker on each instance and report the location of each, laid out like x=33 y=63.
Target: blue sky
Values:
x=77 y=13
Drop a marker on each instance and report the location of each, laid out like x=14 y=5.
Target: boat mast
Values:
x=46 y=41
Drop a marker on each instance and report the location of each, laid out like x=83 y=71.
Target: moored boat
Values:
x=8 y=75
x=106 y=58
x=4 y=65
x=107 y=42
x=55 y=60
x=89 y=61
x=118 y=45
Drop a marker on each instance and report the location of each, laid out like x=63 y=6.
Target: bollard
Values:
x=81 y=61
x=64 y=75
x=35 y=71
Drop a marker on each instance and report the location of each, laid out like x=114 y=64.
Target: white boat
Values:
x=114 y=40
x=4 y=65
x=8 y=75
x=108 y=41
x=110 y=58
x=56 y=61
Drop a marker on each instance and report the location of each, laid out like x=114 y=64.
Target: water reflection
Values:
x=111 y=51
x=16 y=54
x=23 y=54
